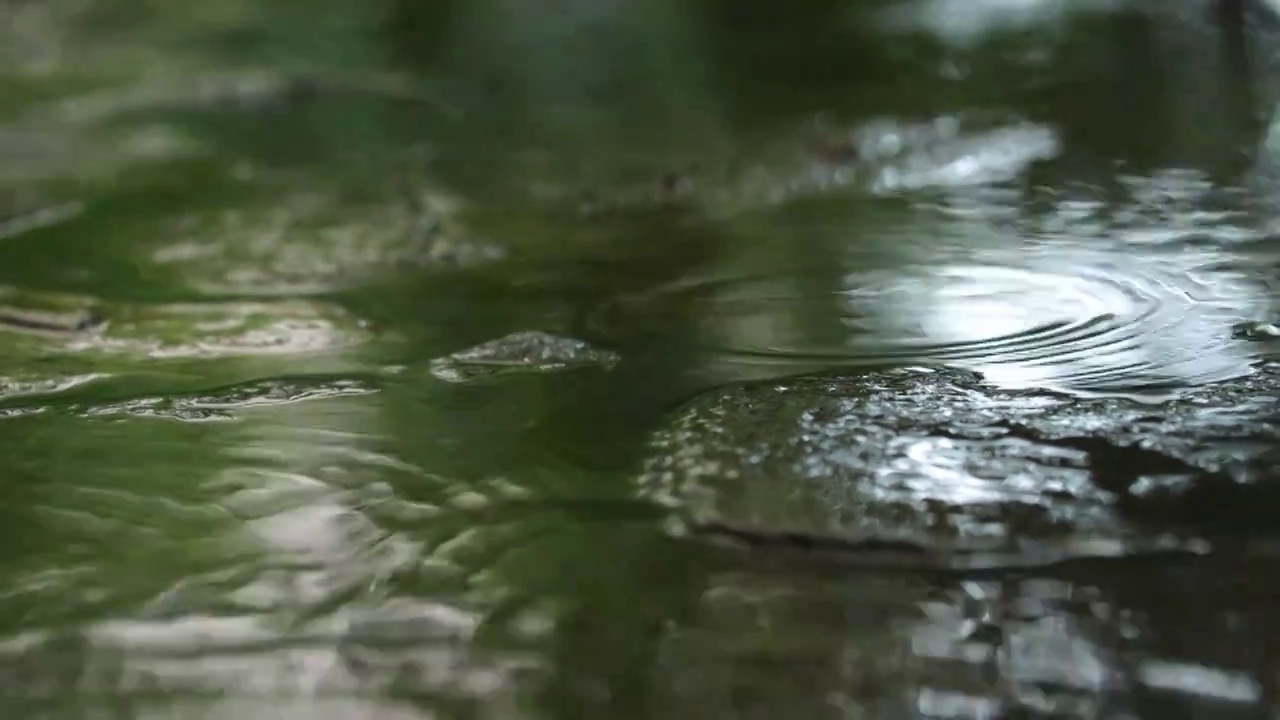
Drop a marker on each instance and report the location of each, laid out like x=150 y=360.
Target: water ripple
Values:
x=1070 y=320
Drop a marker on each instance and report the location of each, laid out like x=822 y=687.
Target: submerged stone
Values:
x=992 y=549
x=937 y=459
x=528 y=351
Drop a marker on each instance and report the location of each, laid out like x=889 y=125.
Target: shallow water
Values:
x=440 y=360
x=1102 y=305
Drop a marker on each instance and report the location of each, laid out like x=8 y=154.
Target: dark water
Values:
x=651 y=360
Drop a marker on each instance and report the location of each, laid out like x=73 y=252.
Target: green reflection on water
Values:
x=283 y=213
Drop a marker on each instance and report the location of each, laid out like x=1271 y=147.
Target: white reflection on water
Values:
x=311 y=516
x=298 y=622
x=889 y=156
x=1215 y=683
x=969 y=21
x=994 y=156
x=1133 y=297
x=1080 y=319
x=1086 y=296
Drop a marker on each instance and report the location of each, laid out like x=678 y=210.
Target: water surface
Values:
x=386 y=361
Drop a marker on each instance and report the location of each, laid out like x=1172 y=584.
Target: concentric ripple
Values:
x=1087 y=323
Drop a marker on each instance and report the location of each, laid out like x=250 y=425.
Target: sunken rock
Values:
x=937 y=458
x=528 y=351
x=1087 y=609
